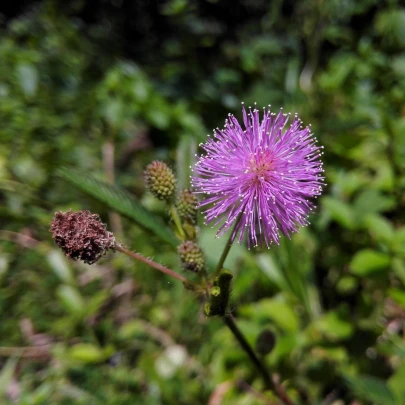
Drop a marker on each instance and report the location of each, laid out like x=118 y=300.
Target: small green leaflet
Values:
x=119 y=200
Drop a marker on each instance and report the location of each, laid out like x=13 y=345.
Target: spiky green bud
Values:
x=191 y=256
x=186 y=205
x=160 y=180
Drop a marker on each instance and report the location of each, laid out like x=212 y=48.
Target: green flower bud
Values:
x=191 y=256
x=186 y=205
x=215 y=291
x=160 y=180
x=207 y=309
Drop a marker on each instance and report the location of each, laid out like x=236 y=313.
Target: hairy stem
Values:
x=157 y=266
x=268 y=381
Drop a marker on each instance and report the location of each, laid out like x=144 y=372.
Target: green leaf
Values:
x=185 y=158
x=341 y=212
x=213 y=248
x=367 y=261
x=95 y=302
x=285 y=345
x=71 y=299
x=372 y=201
x=267 y=309
x=397 y=295
x=272 y=270
x=334 y=326
x=6 y=375
x=396 y=383
x=398 y=266
x=87 y=353
x=28 y=78
x=399 y=241
x=380 y=228
x=119 y=200
x=58 y=262
x=371 y=389
x=390 y=23
x=347 y=284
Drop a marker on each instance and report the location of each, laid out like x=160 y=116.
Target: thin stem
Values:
x=33 y=352
x=227 y=248
x=246 y=387
x=151 y=263
x=177 y=222
x=269 y=383
x=230 y=322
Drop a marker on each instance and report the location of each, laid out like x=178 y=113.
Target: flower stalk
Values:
x=268 y=381
x=177 y=222
x=149 y=262
x=227 y=248
x=231 y=324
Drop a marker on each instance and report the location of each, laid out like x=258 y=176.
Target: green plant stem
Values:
x=157 y=266
x=269 y=383
x=227 y=248
x=230 y=323
x=177 y=222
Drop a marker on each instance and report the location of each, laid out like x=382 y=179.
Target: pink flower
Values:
x=261 y=178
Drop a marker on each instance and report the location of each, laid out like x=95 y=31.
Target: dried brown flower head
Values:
x=81 y=235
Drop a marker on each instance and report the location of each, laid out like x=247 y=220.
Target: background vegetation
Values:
x=106 y=87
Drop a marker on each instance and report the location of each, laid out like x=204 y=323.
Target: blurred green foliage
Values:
x=76 y=91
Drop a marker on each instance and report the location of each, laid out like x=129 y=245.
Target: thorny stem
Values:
x=157 y=266
x=269 y=383
x=177 y=222
x=227 y=248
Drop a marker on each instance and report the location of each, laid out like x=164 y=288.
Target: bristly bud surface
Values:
x=191 y=256
x=160 y=180
x=81 y=235
x=187 y=204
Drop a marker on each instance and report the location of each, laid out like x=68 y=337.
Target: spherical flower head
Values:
x=81 y=235
x=261 y=178
x=187 y=204
x=160 y=180
x=191 y=256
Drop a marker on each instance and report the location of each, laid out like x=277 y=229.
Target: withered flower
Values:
x=81 y=235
